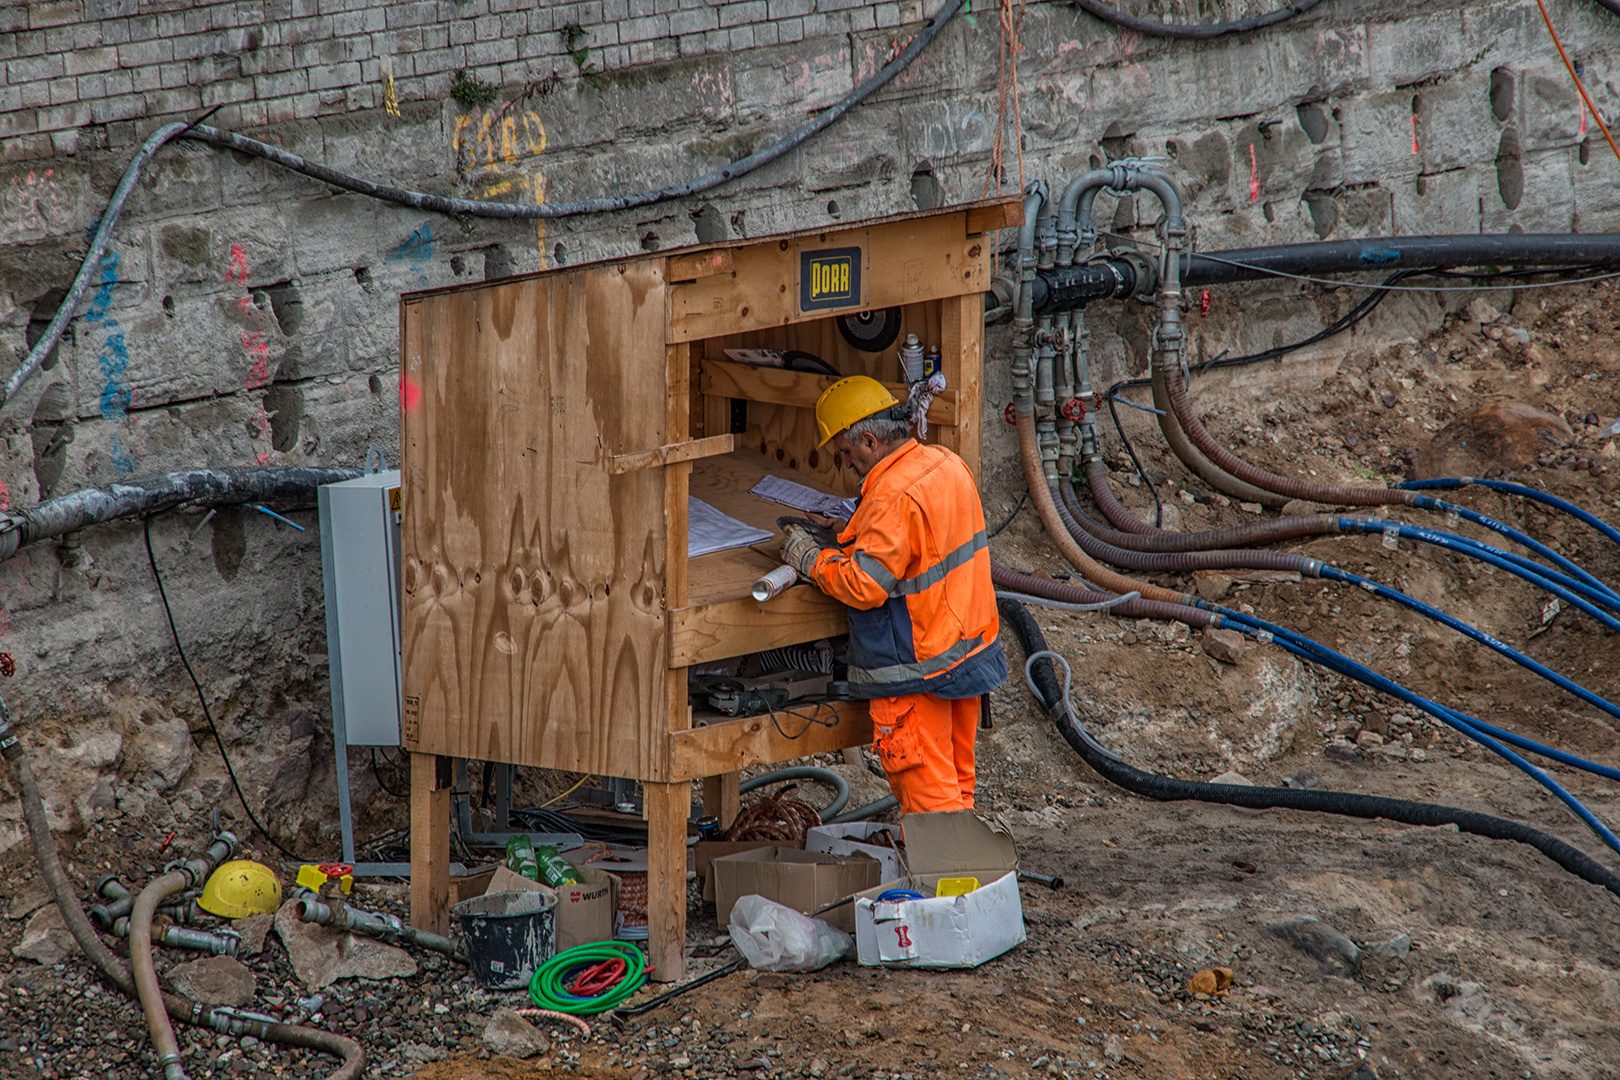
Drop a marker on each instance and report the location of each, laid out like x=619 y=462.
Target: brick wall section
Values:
x=68 y=65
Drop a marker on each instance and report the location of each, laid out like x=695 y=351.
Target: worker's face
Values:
x=862 y=452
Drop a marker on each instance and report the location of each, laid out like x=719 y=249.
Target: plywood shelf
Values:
x=778 y=386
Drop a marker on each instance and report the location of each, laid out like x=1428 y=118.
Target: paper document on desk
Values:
x=708 y=530
x=803 y=498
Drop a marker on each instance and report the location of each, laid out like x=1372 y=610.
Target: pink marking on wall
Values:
x=255 y=344
x=1414 y=134
x=5 y=496
x=1254 y=175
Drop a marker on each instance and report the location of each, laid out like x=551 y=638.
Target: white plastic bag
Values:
x=774 y=937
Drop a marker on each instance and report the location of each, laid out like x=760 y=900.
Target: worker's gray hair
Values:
x=887 y=430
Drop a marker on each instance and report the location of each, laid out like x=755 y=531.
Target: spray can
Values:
x=911 y=358
x=931 y=361
x=556 y=870
x=775 y=583
x=520 y=857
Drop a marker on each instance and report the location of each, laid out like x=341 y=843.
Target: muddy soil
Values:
x=1478 y=958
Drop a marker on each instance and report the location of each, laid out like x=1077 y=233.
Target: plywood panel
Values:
x=756 y=740
x=926 y=258
x=534 y=579
x=778 y=386
x=962 y=355
x=723 y=628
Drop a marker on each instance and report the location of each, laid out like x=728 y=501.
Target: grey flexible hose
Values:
x=839 y=785
x=420 y=200
x=1059 y=605
x=153 y=494
x=1198 y=32
x=863 y=813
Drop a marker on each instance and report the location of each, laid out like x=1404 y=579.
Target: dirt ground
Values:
x=1479 y=958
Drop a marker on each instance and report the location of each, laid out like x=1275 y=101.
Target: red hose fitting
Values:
x=1009 y=414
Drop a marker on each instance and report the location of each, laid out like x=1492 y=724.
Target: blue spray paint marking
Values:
x=416 y=249
x=114 y=362
x=1378 y=256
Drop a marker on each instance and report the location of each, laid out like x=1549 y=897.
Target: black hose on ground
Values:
x=815 y=773
x=291 y=485
x=1348 y=804
x=1199 y=31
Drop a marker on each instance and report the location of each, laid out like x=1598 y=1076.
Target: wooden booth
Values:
x=554 y=427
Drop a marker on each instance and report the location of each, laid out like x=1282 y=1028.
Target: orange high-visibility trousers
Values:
x=926 y=746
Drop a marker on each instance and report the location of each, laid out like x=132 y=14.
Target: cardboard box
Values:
x=866 y=837
x=803 y=880
x=705 y=852
x=947 y=931
x=584 y=911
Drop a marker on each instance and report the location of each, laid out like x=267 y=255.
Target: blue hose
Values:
x=1307 y=649
x=1456 y=482
x=1485 y=521
x=1333 y=573
x=1484 y=553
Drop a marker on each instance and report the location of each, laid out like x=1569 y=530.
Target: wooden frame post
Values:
x=720 y=797
x=430 y=843
x=668 y=806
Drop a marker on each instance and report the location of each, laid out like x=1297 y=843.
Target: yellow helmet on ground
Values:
x=241 y=888
x=849 y=400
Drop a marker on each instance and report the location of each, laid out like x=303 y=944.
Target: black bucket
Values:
x=508 y=935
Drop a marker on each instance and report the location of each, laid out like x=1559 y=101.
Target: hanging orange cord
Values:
x=1577 y=79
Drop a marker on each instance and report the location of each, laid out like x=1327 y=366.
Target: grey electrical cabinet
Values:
x=360 y=564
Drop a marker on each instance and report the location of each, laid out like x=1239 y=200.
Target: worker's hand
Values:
x=824 y=535
x=799 y=547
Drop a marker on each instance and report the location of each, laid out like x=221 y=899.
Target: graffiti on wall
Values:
x=113 y=360
x=256 y=346
x=496 y=152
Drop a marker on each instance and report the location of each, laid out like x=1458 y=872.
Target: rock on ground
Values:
x=214 y=980
x=46 y=939
x=510 y=1035
x=1336 y=953
x=1505 y=435
x=320 y=956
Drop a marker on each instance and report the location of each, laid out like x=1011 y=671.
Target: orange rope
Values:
x=1008 y=54
x=1577 y=79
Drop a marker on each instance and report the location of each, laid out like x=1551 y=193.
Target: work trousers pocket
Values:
x=896 y=737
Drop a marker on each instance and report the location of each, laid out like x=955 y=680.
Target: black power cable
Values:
x=1198 y=32
x=1022 y=499
x=377 y=773
x=202 y=699
x=1346 y=803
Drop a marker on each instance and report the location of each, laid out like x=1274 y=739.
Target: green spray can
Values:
x=521 y=857
x=556 y=870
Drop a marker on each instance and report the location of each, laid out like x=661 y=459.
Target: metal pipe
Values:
x=387 y=928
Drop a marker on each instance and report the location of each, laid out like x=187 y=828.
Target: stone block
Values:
x=1418 y=47
x=769 y=83
x=85 y=61
x=1445 y=202
x=1319 y=61
x=1552 y=112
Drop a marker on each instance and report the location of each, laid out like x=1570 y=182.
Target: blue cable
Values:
x=1307 y=649
x=1485 y=521
x=1333 y=573
x=889 y=895
x=1456 y=482
x=1485 y=554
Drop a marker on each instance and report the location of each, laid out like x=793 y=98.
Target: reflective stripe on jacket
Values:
x=914 y=569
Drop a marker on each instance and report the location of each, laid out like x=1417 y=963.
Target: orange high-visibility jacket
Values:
x=914 y=569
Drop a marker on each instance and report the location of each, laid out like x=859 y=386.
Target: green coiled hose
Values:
x=546 y=989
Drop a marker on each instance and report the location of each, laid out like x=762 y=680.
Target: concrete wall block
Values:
x=46 y=13
x=1376 y=136
x=1552 y=110
x=337 y=75
x=56 y=117
x=789 y=30
x=31 y=68
x=147 y=78
x=1445 y=202
x=411 y=14
x=1548 y=200
x=34 y=95
x=644 y=28
x=267 y=60
x=14 y=20
x=1454 y=125
x=281 y=84
x=85 y=61
x=771 y=83
x=25 y=147
x=64 y=91
x=1418 y=46
x=942 y=130
x=180 y=99
x=654 y=51
x=777 y=10
x=744 y=12
x=1320 y=62
x=29 y=42
x=499 y=51
x=1597 y=196
x=937 y=69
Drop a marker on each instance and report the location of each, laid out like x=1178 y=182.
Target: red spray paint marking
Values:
x=1254 y=176
x=1414 y=134
x=238 y=270
x=409 y=392
x=5 y=496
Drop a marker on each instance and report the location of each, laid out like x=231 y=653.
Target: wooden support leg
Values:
x=720 y=797
x=430 y=843
x=668 y=806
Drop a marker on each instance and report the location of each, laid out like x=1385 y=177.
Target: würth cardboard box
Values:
x=584 y=910
x=945 y=931
x=803 y=880
x=875 y=838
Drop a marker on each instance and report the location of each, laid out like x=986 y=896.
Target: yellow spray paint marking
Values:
x=498 y=142
x=390 y=99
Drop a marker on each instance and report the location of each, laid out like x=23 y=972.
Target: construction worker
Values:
x=913 y=566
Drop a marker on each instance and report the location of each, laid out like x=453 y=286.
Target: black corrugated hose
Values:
x=1197 y=31
x=1346 y=803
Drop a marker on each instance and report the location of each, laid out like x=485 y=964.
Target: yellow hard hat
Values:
x=239 y=889
x=847 y=401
